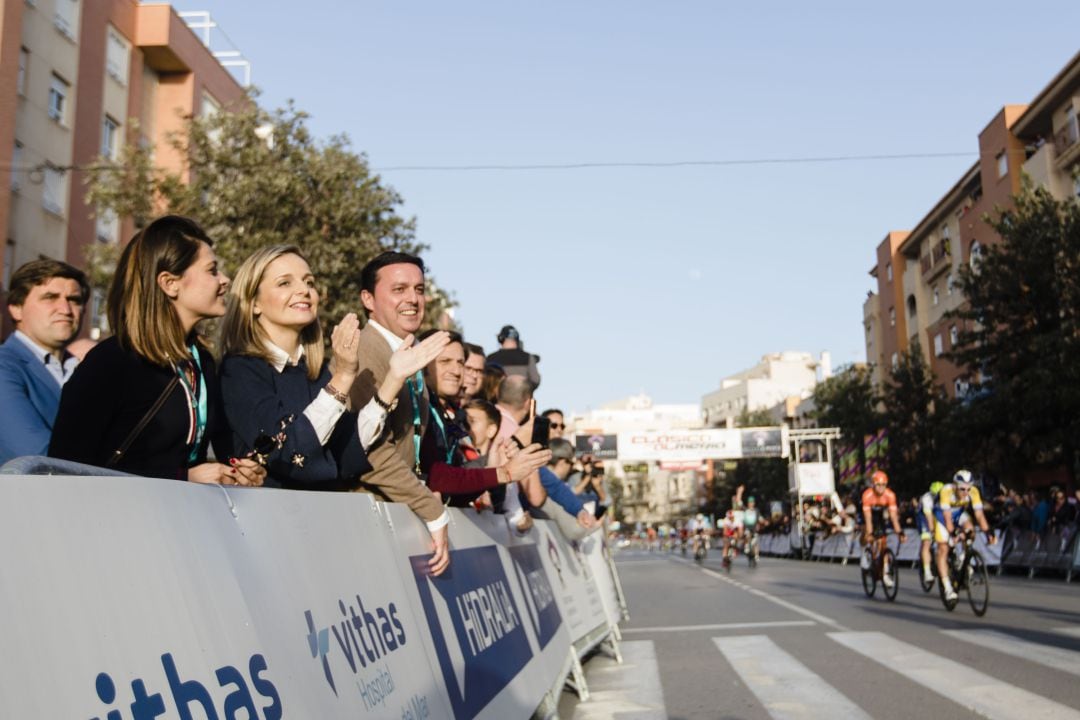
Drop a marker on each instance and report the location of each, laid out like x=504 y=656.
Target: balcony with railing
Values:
x=1067 y=142
x=937 y=260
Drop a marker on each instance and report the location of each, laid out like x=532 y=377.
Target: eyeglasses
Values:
x=558 y=426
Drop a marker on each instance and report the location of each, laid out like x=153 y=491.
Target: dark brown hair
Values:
x=140 y=313
x=39 y=272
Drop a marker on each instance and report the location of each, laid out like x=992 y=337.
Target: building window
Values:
x=949 y=284
x=1002 y=164
x=938 y=345
x=888 y=271
x=24 y=67
x=935 y=295
x=16 y=167
x=954 y=336
x=911 y=306
x=960 y=387
x=9 y=263
x=116 y=57
x=99 y=321
x=59 y=89
x=110 y=131
x=892 y=317
x=975 y=255
x=54 y=190
x=66 y=18
x=1076 y=186
x=895 y=361
x=944 y=232
x=107 y=226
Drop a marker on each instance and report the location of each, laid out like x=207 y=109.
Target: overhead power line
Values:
x=672 y=163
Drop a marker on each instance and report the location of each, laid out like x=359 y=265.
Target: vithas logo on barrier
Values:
x=475 y=624
x=364 y=635
x=539 y=597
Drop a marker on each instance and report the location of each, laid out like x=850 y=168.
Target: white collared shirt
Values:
x=324 y=411
x=60 y=371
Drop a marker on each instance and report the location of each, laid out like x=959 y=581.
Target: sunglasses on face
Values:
x=558 y=426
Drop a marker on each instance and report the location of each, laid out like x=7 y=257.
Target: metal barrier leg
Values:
x=576 y=681
x=611 y=646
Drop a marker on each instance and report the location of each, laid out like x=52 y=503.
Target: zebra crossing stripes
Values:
x=787 y=688
x=1070 y=630
x=966 y=686
x=1048 y=655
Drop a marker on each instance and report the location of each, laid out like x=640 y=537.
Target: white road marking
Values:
x=1048 y=655
x=1070 y=630
x=786 y=687
x=778 y=601
x=632 y=688
x=974 y=690
x=721 y=626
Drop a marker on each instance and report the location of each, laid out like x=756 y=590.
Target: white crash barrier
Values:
x=131 y=597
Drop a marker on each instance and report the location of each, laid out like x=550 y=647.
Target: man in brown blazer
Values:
x=392 y=292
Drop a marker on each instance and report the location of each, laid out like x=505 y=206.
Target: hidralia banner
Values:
x=134 y=598
x=704 y=444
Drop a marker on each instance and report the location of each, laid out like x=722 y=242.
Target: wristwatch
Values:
x=379 y=401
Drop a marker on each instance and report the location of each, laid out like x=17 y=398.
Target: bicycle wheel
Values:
x=869 y=580
x=926 y=586
x=978 y=582
x=890 y=580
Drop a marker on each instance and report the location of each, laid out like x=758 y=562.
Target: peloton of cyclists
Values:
x=877 y=500
x=953 y=503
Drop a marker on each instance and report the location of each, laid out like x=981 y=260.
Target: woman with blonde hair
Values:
x=146 y=400
x=275 y=376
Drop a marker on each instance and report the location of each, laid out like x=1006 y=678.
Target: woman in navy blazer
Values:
x=274 y=375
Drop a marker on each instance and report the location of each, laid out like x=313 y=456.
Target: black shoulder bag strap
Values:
x=118 y=454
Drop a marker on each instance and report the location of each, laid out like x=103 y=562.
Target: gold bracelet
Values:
x=336 y=394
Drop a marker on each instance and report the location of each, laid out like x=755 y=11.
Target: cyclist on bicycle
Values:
x=732 y=528
x=925 y=521
x=700 y=527
x=877 y=500
x=951 y=511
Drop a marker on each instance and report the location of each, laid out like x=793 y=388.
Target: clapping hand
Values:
x=408 y=359
x=345 y=342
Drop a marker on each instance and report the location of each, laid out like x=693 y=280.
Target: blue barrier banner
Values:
x=477 y=627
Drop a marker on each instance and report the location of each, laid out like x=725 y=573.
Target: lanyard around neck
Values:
x=196 y=395
x=416 y=389
x=450 y=447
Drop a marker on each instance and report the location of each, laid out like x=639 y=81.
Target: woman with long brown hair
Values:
x=146 y=400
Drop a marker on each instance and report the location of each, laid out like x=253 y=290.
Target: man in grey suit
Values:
x=392 y=291
x=46 y=300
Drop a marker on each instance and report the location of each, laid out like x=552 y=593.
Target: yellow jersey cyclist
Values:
x=925 y=522
x=954 y=502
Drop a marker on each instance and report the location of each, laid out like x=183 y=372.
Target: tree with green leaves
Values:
x=916 y=416
x=253 y=178
x=847 y=401
x=1021 y=339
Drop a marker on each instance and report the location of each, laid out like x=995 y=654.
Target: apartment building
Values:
x=765 y=386
x=916 y=270
x=74 y=74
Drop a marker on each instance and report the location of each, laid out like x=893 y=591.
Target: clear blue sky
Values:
x=656 y=279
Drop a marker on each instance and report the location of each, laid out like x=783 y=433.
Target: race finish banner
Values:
x=673 y=446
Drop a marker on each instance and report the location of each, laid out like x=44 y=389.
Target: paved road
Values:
x=794 y=639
